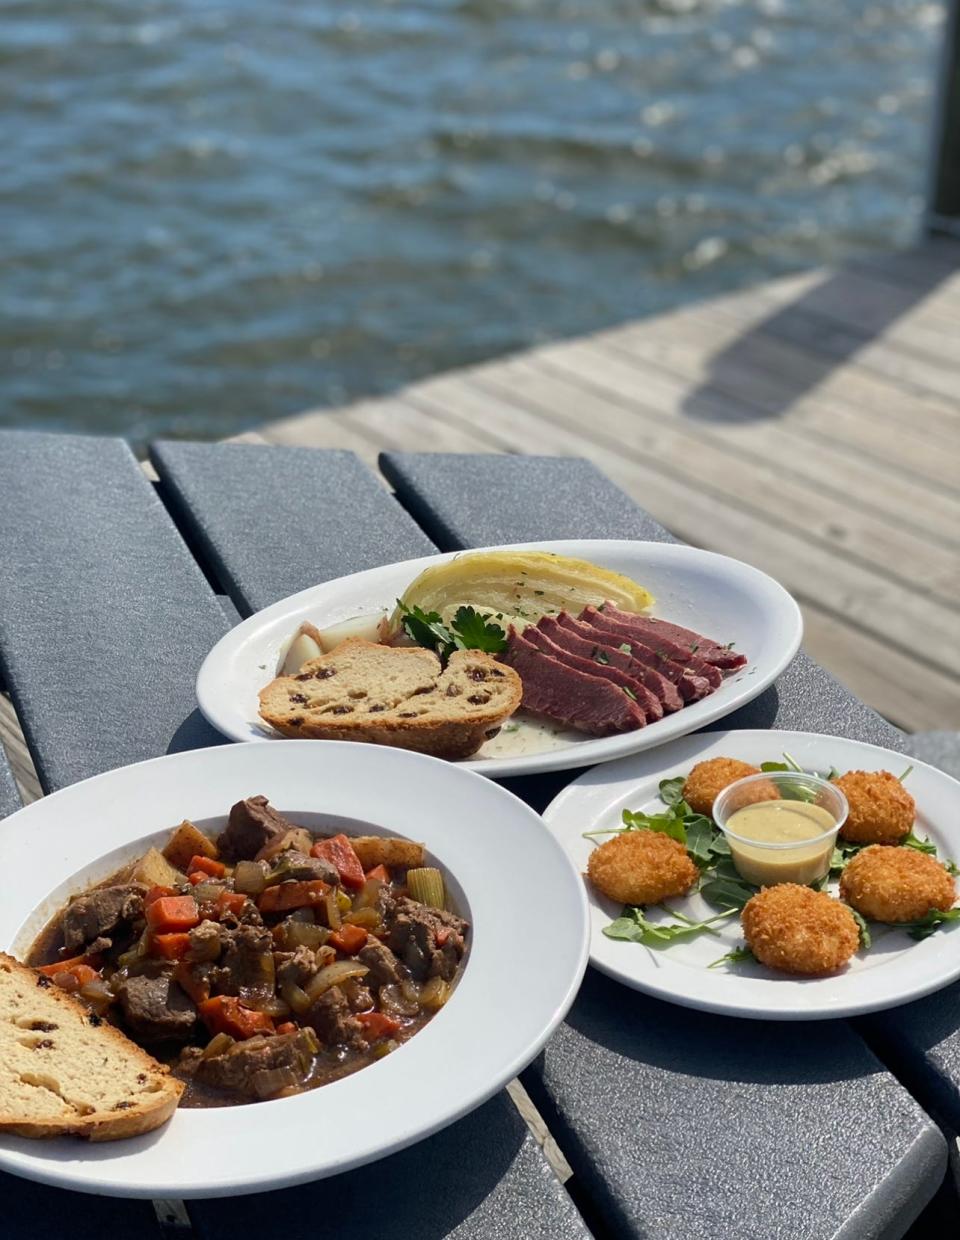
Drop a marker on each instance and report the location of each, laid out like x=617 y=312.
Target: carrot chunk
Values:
x=348 y=939
x=171 y=946
x=287 y=1027
x=216 y=869
x=340 y=853
x=226 y=1014
x=378 y=1025
x=64 y=966
x=157 y=893
x=230 y=902
x=380 y=873
x=172 y=913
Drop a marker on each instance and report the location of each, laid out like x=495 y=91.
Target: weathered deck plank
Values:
x=809 y=426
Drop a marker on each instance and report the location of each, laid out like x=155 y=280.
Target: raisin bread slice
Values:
x=66 y=1072
x=400 y=696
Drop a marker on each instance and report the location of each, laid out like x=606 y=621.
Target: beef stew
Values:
x=271 y=961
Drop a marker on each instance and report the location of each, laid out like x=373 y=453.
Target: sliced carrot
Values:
x=173 y=913
x=230 y=902
x=73 y=978
x=206 y=865
x=441 y=934
x=226 y=1014
x=287 y=1027
x=380 y=873
x=196 y=877
x=340 y=853
x=348 y=939
x=171 y=946
x=286 y=896
x=197 y=988
x=157 y=893
x=64 y=966
x=377 y=1025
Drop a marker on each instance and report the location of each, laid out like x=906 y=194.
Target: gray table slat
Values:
x=9 y=795
x=275 y=520
x=481 y=1179
x=685 y=1125
x=104 y=614
x=669 y=1117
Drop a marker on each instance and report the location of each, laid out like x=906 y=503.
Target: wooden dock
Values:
x=809 y=426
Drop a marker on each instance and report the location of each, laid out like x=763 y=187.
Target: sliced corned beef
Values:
x=705 y=647
x=581 y=639
x=567 y=696
x=660 y=646
x=648 y=703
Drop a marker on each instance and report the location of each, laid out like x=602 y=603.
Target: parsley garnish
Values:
x=468 y=630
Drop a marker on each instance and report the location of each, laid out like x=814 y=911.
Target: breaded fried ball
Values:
x=641 y=867
x=799 y=930
x=896 y=884
x=881 y=809
x=708 y=779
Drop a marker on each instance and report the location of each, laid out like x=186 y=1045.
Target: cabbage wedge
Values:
x=519 y=586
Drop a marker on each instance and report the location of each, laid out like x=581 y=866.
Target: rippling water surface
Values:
x=213 y=214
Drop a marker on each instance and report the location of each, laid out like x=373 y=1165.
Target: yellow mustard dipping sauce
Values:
x=781 y=822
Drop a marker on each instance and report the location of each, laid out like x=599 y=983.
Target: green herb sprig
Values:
x=468 y=630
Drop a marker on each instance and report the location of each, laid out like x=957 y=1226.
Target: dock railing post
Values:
x=943 y=208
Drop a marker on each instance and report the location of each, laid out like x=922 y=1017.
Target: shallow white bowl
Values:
x=507 y=875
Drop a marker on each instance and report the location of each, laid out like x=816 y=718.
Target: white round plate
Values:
x=712 y=594
x=498 y=860
x=894 y=970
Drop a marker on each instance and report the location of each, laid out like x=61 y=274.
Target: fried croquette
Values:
x=896 y=884
x=881 y=809
x=641 y=867
x=708 y=779
x=799 y=930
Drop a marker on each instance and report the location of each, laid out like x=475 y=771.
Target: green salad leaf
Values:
x=914 y=841
x=671 y=790
x=928 y=924
x=727 y=892
x=739 y=955
x=863 y=928
x=633 y=926
x=670 y=823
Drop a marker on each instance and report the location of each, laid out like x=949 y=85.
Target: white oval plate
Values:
x=712 y=594
x=895 y=970
x=496 y=1021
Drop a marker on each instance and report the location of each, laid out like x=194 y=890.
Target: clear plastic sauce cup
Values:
x=781 y=826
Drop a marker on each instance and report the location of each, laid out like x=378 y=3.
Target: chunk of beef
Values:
x=384 y=967
x=333 y=1020
x=298 y=866
x=246 y=963
x=568 y=696
x=205 y=941
x=358 y=995
x=639 y=635
x=295 y=967
x=261 y=1066
x=156 y=1008
x=588 y=642
x=252 y=824
x=101 y=913
x=429 y=941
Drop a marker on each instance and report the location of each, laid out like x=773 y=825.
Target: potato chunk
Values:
x=186 y=842
x=387 y=850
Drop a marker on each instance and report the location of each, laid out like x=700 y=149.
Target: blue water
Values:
x=214 y=214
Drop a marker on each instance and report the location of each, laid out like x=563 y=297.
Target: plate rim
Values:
x=76 y=1166
x=599 y=750
x=687 y=999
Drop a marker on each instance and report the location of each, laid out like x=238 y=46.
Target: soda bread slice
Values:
x=64 y=1072
x=400 y=696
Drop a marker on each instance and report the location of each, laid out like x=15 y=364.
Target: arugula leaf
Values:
x=739 y=955
x=727 y=893
x=471 y=631
x=863 y=928
x=905 y=773
x=774 y=766
x=426 y=628
x=671 y=790
x=702 y=836
x=927 y=925
x=669 y=823
x=634 y=927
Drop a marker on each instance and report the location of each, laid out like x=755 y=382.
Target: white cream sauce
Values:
x=525 y=734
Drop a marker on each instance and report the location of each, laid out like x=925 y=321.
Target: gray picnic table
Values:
x=676 y=1124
